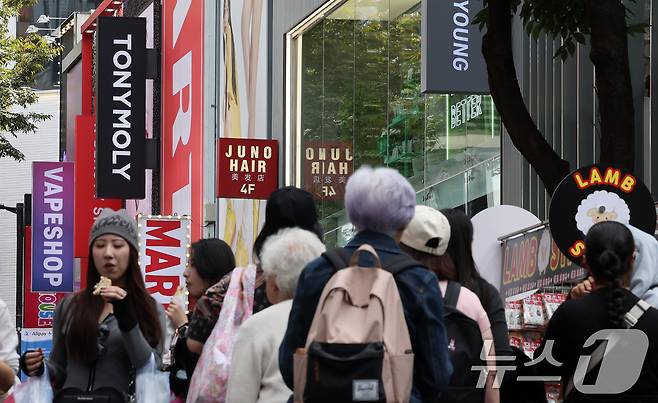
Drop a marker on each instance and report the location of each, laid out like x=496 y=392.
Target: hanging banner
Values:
x=52 y=226
x=451 y=48
x=145 y=205
x=327 y=166
x=120 y=99
x=532 y=261
x=87 y=206
x=38 y=307
x=247 y=168
x=33 y=339
x=164 y=244
x=182 y=110
x=593 y=194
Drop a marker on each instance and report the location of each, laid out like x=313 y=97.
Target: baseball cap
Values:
x=428 y=231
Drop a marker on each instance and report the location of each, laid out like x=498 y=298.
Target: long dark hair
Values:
x=609 y=248
x=459 y=249
x=212 y=258
x=442 y=266
x=86 y=308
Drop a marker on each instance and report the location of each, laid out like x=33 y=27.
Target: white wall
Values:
x=16 y=180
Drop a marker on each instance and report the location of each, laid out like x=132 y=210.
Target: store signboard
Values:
x=87 y=206
x=52 y=225
x=164 y=244
x=532 y=261
x=38 y=307
x=593 y=194
x=327 y=166
x=120 y=100
x=247 y=168
x=451 y=55
x=182 y=110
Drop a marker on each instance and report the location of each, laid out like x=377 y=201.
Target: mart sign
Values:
x=164 y=244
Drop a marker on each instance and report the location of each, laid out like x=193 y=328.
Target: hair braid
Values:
x=612 y=273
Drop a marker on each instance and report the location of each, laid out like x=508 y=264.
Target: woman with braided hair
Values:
x=609 y=257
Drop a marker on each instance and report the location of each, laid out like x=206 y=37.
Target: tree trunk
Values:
x=609 y=54
x=504 y=86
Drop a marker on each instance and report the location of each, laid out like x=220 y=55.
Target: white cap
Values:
x=428 y=231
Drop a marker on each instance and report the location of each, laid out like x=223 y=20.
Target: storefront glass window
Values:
x=358 y=102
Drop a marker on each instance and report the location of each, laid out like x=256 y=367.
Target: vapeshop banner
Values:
x=52 y=226
x=532 y=261
x=164 y=244
x=593 y=194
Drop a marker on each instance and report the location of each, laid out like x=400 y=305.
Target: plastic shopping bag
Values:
x=151 y=384
x=36 y=390
x=210 y=379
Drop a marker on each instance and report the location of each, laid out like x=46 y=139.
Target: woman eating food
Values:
x=104 y=332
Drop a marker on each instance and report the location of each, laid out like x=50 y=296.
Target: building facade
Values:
x=337 y=84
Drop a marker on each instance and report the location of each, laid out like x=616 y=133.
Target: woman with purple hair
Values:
x=380 y=203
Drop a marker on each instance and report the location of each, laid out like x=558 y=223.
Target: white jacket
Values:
x=255 y=375
x=8 y=341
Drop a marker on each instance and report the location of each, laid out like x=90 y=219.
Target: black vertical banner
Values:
x=451 y=48
x=120 y=94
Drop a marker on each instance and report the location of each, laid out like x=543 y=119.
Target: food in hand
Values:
x=104 y=282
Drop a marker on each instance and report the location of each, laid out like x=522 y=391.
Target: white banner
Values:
x=164 y=244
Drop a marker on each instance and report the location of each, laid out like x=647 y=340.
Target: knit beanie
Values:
x=115 y=223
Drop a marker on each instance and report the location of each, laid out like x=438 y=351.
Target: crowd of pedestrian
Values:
x=400 y=314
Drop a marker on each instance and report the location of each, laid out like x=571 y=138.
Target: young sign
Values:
x=451 y=55
x=164 y=244
x=52 y=226
x=247 y=168
x=120 y=98
x=593 y=194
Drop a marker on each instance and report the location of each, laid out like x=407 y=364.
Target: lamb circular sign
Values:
x=593 y=194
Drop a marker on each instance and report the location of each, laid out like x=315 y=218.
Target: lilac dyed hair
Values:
x=379 y=200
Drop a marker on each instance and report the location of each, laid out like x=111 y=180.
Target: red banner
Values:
x=182 y=110
x=327 y=165
x=247 y=168
x=87 y=206
x=38 y=307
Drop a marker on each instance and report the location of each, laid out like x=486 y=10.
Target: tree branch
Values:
x=609 y=54
x=504 y=86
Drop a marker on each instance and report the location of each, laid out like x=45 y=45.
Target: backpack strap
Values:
x=340 y=258
x=400 y=263
x=452 y=294
x=630 y=320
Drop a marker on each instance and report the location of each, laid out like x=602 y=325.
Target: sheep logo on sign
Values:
x=594 y=194
x=601 y=206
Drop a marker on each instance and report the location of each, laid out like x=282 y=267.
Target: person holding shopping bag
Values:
x=108 y=330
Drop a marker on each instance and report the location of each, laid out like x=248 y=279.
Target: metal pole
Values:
x=20 y=244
